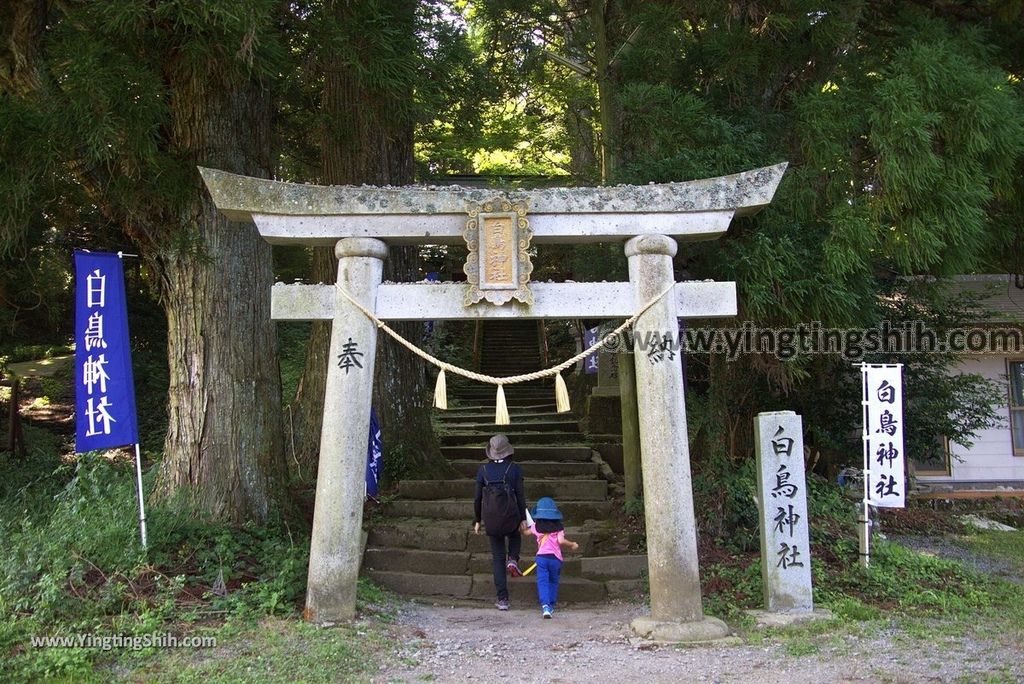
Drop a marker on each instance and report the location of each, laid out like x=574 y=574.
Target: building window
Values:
x=1016 y=373
x=935 y=460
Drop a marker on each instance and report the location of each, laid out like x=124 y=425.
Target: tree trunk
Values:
x=605 y=93
x=308 y=407
x=224 y=446
x=368 y=138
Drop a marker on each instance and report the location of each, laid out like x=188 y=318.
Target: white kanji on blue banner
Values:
x=104 y=388
x=589 y=340
x=374 y=456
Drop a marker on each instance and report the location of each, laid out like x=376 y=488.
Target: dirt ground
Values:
x=587 y=644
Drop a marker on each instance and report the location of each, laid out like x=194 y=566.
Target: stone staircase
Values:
x=424 y=544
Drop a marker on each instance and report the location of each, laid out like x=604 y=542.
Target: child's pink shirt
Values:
x=551 y=544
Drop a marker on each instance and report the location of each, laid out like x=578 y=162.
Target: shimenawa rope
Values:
x=501 y=408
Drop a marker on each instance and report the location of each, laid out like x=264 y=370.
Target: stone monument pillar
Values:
x=782 y=495
x=676 y=612
x=340 y=484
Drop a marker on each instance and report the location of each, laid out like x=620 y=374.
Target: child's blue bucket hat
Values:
x=546 y=509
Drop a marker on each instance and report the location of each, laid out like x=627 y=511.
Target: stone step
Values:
x=487 y=403
x=537 y=469
x=489 y=390
x=391 y=559
x=574 y=511
x=480 y=563
x=512 y=364
x=514 y=435
x=569 y=425
x=599 y=438
x=522 y=591
x=509 y=387
x=577 y=490
x=489 y=394
x=526 y=341
x=523 y=452
x=424 y=562
x=487 y=409
x=447 y=535
x=450 y=417
x=588 y=567
x=506 y=353
x=448 y=562
x=418 y=584
x=509 y=348
x=513 y=388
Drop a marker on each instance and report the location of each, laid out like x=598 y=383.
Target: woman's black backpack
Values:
x=499 y=508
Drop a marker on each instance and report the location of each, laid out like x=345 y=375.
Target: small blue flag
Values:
x=433 y=277
x=589 y=340
x=104 y=388
x=374 y=456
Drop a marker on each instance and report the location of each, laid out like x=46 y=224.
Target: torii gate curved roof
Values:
x=317 y=214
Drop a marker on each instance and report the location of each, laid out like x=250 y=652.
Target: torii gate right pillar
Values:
x=676 y=612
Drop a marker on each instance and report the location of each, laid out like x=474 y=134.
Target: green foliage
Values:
x=32 y=352
x=504 y=109
x=275 y=650
x=263 y=569
x=635 y=507
x=291 y=341
x=1008 y=546
x=732 y=586
x=72 y=562
x=397 y=465
x=147 y=325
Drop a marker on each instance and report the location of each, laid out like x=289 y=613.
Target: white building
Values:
x=995 y=461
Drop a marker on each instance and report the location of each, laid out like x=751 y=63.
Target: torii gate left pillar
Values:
x=335 y=548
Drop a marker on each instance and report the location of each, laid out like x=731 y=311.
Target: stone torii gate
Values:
x=360 y=222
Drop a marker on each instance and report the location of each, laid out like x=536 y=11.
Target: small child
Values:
x=547 y=527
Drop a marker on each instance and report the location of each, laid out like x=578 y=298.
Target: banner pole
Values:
x=865 y=515
x=142 y=503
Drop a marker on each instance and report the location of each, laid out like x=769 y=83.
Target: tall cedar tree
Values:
x=116 y=103
x=366 y=59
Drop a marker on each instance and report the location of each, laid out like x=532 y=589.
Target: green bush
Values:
x=72 y=562
x=34 y=352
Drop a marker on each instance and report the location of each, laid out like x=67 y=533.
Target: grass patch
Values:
x=271 y=650
x=71 y=564
x=1006 y=546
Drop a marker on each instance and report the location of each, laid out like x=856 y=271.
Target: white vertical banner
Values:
x=884 y=462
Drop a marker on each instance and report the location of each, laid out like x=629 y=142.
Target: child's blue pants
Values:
x=549 y=569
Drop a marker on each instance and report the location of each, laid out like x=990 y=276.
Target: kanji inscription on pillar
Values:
x=498 y=264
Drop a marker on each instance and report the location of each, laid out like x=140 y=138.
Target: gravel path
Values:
x=588 y=644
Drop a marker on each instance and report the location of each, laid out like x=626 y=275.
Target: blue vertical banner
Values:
x=374 y=456
x=432 y=277
x=683 y=348
x=589 y=340
x=104 y=388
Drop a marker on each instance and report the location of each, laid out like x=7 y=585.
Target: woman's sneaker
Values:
x=502 y=604
x=546 y=612
x=513 y=569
